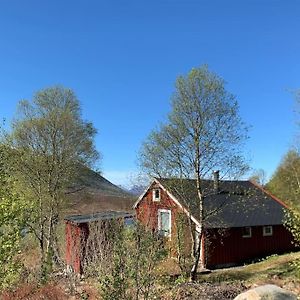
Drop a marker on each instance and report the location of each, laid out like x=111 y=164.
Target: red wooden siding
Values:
x=147 y=209
x=147 y=214
x=232 y=248
x=76 y=235
x=220 y=249
x=78 y=229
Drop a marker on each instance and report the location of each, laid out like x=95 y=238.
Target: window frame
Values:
x=154 y=199
x=268 y=233
x=245 y=235
x=164 y=233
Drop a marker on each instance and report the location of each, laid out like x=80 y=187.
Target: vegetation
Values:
x=12 y=223
x=263 y=270
x=203 y=133
x=184 y=257
x=285 y=184
x=259 y=176
x=220 y=284
x=48 y=141
x=123 y=259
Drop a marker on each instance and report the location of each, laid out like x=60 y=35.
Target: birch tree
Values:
x=203 y=132
x=49 y=141
x=259 y=176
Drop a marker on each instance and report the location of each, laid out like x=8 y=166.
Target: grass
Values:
x=276 y=269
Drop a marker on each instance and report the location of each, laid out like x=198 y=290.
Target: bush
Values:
x=292 y=222
x=124 y=259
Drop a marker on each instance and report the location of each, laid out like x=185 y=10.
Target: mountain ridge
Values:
x=91 y=193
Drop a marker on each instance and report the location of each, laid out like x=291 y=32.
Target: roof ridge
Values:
x=203 y=179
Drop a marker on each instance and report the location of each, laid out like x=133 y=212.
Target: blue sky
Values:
x=122 y=58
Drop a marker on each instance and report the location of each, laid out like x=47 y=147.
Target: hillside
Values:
x=222 y=284
x=91 y=193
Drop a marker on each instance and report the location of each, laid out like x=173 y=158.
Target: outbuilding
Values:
x=77 y=231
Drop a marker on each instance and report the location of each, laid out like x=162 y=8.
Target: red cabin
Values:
x=242 y=221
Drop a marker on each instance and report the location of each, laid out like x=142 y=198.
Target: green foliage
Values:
x=180 y=280
x=146 y=251
x=47 y=267
x=134 y=256
x=114 y=285
x=203 y=131
x=285 y=182
x=185 y=257
x=13 y=210
x=292 y=222
x=48 y=143
x=296 y=266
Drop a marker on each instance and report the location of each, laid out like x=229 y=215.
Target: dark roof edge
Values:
x=269 y=194
x=97 y=216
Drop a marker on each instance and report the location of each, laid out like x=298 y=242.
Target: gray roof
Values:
x=235 y=204
x=100 y=216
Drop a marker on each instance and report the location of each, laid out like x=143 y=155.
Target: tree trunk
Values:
x=193 y=275
x=200 y=216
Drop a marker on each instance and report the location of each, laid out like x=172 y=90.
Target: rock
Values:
x=266 y=292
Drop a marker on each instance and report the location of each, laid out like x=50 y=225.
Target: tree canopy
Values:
x=203 y=132
x=49 y=141
x=259 y=176
x=285 y=182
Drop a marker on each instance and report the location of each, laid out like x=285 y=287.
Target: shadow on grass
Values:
x=286 y=270
x=228 y=276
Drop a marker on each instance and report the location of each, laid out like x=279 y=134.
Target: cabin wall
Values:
x=79 y=235
x=229 y=247
x=76 y=235
x=147 y=214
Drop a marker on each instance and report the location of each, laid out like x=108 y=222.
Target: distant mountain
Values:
x=137 y=190
x=91 y=193
x=95 y=183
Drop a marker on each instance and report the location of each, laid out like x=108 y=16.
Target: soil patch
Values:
x=208 y=291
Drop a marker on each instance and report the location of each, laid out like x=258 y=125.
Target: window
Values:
x=164 y=222
x=156 y=195
x=267 y=230
x=247 y=233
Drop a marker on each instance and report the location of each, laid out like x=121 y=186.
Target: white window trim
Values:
x=267 y=233
x=159 y=220
x=248 y=235
x=153 y=195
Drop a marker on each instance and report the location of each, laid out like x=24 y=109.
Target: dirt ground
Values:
x=207 y=291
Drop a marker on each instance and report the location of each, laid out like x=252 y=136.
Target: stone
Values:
x=266 y=292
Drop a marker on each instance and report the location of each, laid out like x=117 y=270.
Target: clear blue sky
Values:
x=122 y=58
